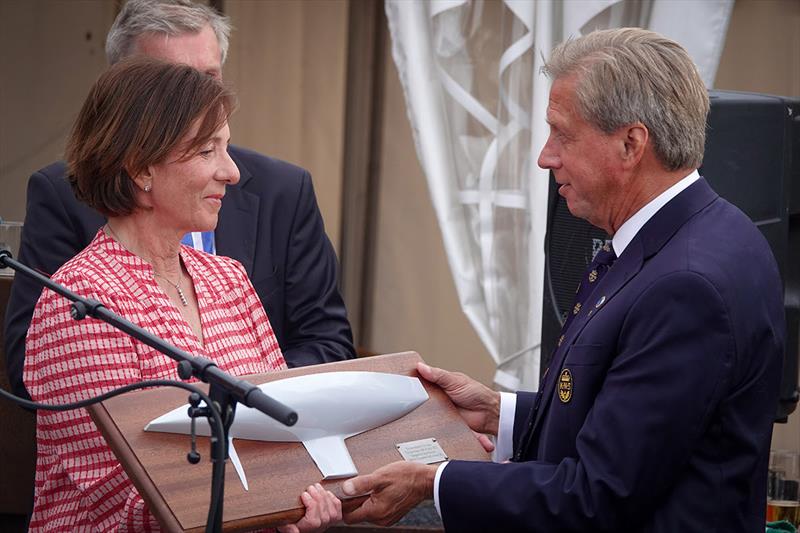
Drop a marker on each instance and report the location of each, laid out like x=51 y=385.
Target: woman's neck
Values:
x=156 y=245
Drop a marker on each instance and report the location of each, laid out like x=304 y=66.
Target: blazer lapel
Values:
x=647 y=242
x=625 y=268
x=237 y=227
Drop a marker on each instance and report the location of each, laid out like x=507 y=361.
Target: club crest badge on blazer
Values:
x=565 y=386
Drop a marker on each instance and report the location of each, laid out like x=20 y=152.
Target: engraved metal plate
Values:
x=426 y=451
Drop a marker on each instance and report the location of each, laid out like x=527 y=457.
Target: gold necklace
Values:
x=182 y=296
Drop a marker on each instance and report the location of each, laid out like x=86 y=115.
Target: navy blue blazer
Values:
x=269 y=221
x=656 y=413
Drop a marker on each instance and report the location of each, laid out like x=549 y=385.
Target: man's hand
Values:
x=394 y=489
x=478 y=405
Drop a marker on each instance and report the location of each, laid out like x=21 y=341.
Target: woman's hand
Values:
x=322 y=510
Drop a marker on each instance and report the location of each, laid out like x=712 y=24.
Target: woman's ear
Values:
x=144 y=179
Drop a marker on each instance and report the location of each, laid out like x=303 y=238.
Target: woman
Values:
x=148 y=151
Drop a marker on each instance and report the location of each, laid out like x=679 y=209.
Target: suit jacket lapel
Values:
x=647 y=242
x=627 y=266
x=237 y=227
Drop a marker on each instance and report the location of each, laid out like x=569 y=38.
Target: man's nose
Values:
x=548 y=158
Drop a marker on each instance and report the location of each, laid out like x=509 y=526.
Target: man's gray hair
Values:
x=631 y=75
x=169 y=17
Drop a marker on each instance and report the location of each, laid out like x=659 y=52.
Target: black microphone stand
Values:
x=225 y=391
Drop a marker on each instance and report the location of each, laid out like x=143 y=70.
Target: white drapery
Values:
x=476 y=100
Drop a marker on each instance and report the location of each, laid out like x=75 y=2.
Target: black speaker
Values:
x=752 y=159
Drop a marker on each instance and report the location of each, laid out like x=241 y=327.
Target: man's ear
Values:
x=635 y=139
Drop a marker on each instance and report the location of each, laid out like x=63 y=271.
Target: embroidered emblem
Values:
x=565 y=386
x=560 y=340
x=592 y=276
x=606 y=247
x=576 y=309
x=600 y=302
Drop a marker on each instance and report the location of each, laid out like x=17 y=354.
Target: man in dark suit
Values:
x=269 y=221
x=656 y=411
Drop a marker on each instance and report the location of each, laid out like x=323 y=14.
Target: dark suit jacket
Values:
x=269 y=222
x=665 y=423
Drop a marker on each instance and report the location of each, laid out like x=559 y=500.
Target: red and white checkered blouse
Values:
x=80 y=485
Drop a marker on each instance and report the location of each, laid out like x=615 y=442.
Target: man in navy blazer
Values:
x=269 y=221
x=656 y=412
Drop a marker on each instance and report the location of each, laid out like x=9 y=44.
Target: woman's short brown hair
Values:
x=136 y=113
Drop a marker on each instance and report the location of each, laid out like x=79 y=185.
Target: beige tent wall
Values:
x=762 y=51
x=50 y=53
x=288 y=63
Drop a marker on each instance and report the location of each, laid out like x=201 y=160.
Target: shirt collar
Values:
x=629 y=229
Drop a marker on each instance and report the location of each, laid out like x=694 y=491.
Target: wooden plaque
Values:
x=178 y=493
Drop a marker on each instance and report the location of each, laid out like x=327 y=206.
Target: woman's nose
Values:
x=229 y=171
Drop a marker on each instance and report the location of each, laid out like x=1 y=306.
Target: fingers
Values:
x=334 y=506
x=322 y=509
x=451 y=382
x=372 y=508
x=485 y=442
x=358 y=485
x=377 y=510
x=361 y=513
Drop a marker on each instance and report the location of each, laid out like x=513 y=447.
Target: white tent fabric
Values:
x=476 y=101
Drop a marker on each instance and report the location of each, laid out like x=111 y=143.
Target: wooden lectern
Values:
x=178 y=493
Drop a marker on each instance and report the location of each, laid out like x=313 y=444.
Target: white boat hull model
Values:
x=330 y=406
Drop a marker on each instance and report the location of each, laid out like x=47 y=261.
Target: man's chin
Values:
x=574 y=209
x=578 y=210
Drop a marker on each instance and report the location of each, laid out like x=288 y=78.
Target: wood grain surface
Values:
x=178 y=493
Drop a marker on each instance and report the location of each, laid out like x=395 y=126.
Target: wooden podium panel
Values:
x=178 y=493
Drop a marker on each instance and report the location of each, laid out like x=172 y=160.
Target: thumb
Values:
x=431 y=373
x=357 y=485
x=448 y=381
x=485 y=442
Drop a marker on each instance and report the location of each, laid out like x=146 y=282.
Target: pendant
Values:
x=182 y=296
